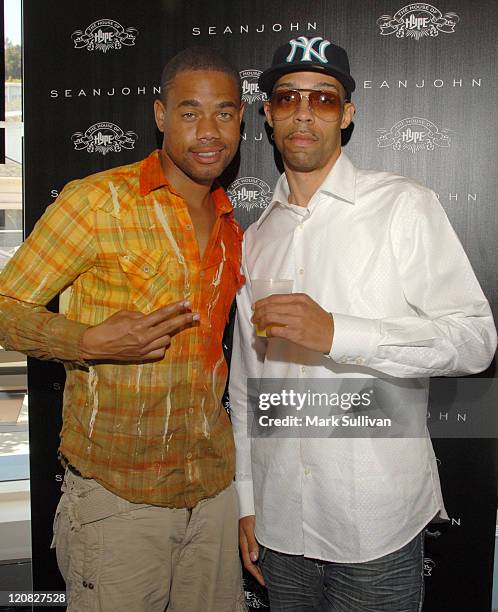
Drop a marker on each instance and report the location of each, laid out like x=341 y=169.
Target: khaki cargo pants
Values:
x=115 y=555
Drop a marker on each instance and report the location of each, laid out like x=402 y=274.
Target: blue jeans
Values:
x=393 y=583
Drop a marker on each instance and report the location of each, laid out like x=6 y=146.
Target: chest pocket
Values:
x=154 y=278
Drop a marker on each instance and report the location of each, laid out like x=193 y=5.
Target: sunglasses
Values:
x=325 y=105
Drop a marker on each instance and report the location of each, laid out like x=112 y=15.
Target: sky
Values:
x=13 y=20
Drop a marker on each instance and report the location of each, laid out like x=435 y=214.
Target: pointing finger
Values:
x=163 y=314
x=172 y=326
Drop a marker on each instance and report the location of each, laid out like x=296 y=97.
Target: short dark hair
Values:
x=196 y=58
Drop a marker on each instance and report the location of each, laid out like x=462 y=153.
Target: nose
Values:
x=303 y=111
x=207 y=128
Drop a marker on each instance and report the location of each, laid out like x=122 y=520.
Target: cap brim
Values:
x=269 y=77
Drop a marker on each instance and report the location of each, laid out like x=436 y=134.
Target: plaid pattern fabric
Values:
x=123 y=240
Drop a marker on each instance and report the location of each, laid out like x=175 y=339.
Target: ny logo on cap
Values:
x=307 y=46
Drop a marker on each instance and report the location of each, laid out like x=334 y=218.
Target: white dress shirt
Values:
x=377 y=251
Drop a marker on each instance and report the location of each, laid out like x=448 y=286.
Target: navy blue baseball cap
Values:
x=310 y=55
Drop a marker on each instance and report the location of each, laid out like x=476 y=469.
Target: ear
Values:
x=267 y=109
x=159 y=112
x=347 y=114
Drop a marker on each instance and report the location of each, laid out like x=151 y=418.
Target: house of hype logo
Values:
x=253 y=600
x=414 y=134
x=104 y=137
x=429 y=565
x=250 y=192
x=417 y=21
x=250 y=89
x=103 y=35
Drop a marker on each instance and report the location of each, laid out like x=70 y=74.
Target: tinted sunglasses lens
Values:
x=326 y=105
x=284 y=103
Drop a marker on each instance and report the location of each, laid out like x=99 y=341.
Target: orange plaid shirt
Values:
x=123 y=240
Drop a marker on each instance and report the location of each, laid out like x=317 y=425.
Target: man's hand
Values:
x=249 y=547
x=297 y=318
x=132 y=336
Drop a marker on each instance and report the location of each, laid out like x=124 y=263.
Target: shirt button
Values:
x=202 y=274
x=146 y=269
x=301 y=270
x=90 y=585
x=300 y=227
x=303 y=369
x=189 y=455
x=359 y=361
x=188 y=226
x=191 y=411
x=307 y=472
x=85 y=584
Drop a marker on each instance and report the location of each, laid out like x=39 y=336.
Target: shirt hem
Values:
x=66 y=460
x=362 y=560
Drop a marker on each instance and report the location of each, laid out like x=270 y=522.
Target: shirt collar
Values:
x=151 y=173
x=339 y=183
x=152 y=178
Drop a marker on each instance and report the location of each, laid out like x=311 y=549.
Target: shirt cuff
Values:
x=355 y=339
x=246 y=497
x=63 y=339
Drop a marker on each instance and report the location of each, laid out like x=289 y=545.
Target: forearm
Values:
x=37 y=332
x=449 y=345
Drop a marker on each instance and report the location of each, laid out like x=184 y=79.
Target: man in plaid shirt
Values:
x=150 y=255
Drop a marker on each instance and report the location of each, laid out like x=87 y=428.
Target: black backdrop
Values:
x=426 y=103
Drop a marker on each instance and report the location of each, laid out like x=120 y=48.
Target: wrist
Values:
x=85 y=344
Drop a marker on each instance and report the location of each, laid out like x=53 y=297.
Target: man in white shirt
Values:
x=381 y=288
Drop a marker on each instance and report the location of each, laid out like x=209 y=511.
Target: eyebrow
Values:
x=291 y=85
x=196 y=103
x=189 y=103
x=227 y=104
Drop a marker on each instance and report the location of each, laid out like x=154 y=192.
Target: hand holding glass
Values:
x=262 y=288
